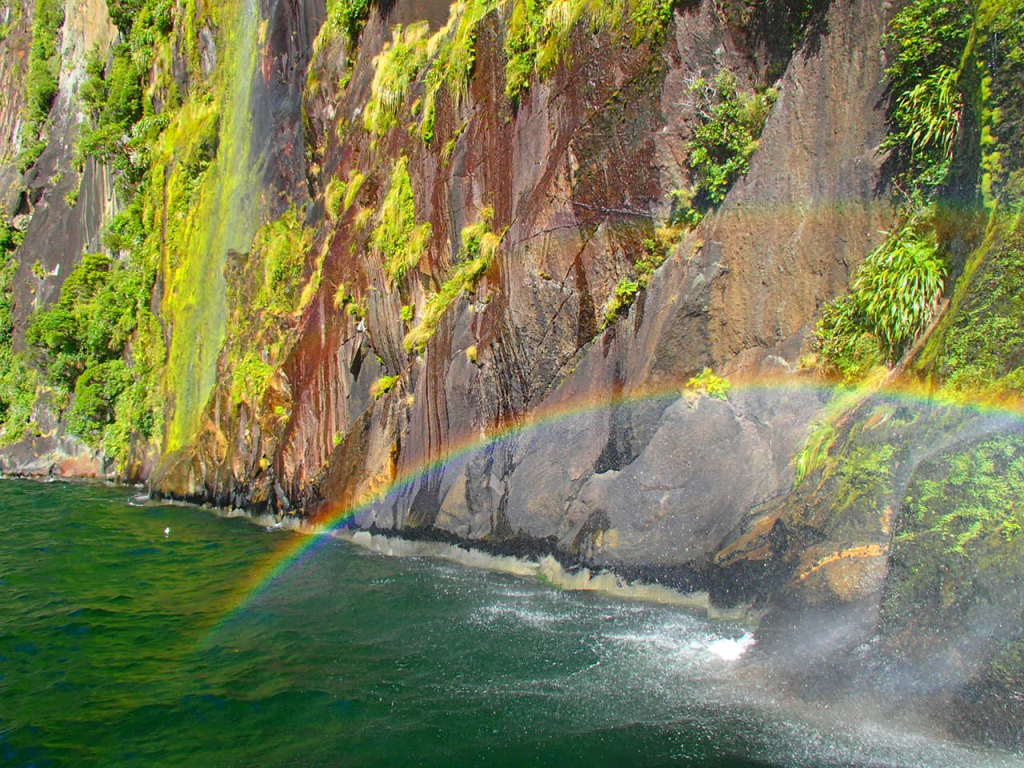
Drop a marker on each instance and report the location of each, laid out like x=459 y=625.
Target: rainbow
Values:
x=334 y=518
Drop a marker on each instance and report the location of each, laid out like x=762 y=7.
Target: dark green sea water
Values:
x=115 y=649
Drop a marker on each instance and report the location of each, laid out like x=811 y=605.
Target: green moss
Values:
x=395 y=69
x=334 y=197
x=521 y=41
x=445 y=59
x=708 y=383
x=348 y=303
x=341 y=296
x=399 y=240
x=384 y=385
x=340 y=194
x=539 y=32
x=355 y=182
x=981 y=350
x=629 y=288
x=998 y=42
x=479 y=246
x=452 y=65
x=250 y=379
x=282 y=246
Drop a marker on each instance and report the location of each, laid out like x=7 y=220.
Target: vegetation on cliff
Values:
x=893 y=296
x=479 y=246
x=165 y=137
x=540 y=32
x=400 y=241
x=163 y=111
x=950 y=476
x=17 y=380
x=895 y=292
x=41 y=81
x=731 y=122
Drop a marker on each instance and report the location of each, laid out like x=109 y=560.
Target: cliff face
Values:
x=543 y=277
x=576 y=184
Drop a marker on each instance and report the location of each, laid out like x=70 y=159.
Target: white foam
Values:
x=548 y=569
x=672 y=662
x=728 y=649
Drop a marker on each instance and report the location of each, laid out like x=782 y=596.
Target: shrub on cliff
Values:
x=41 y=81
x=347 y=17
x=891 y=301
x=96 y=392
x=17 y=381
x=926 y=40
x=730 y=126
x=710 y=384
x=92 y=321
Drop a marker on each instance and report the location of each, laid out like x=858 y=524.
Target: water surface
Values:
x=118 y=647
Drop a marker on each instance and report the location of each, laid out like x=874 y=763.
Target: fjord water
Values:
x=119 y=645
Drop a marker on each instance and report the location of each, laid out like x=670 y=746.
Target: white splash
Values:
x=728 y=649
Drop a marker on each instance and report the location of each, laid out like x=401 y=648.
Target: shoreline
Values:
x=545 y=568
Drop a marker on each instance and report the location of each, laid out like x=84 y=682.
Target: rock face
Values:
x=724 y=298
x=528 y=380
x=61 y=232
x=626 y=470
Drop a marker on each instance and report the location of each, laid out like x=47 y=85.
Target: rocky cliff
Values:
x=717 y=293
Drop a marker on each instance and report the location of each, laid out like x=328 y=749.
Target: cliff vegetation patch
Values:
x=399 y=240
x=41 y=81
x=480 y=244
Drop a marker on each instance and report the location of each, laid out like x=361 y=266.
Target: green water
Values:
x=115 y=650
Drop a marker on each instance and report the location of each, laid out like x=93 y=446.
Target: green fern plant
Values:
x=892 y=298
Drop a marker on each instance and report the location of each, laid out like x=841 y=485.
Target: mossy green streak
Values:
x=223 y=221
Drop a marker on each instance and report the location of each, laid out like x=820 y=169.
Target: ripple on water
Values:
x=117 y=652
